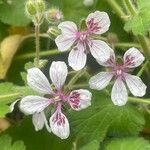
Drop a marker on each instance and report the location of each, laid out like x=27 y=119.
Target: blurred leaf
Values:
x=143 y=4
x=140 y=23
x=9 y=93
x=8 y=48
x=42 y=140
x=3 y=30
x=6 y=143
x=93 y=145
x=94 y=122
x=14 y=13
x=128 y=144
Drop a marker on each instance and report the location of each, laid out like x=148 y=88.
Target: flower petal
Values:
x=119 y=93
x=98 y=22
x=38 y=81
x=80 y=99
x=111 y=62
x=38 y=121
x=68 y=27
x=77 y=57
x=100 y=81
x=33 y=104
x=100 y=50
x=58 y=73
x=60 y=125
x=133 y=58
x=136 y=85
x=68 y=36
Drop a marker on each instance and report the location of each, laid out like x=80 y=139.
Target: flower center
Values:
x=82 y=36
x=118 y=70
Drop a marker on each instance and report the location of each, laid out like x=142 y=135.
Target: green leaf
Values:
x=94 y=145
x=95 y=122
x=143 y=4
x=128 y=144
x=42 y=140
x=9 y=93
x=6 y=143
x=140 y=23
x=14 y=13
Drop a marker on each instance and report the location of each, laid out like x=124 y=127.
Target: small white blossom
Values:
x=35 y=105
x=81 y=42
x=132 y=58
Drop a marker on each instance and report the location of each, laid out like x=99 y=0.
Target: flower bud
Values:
x=53 y=32
x=88 y=3
x=40 y=6
x=54 y=16
x=30 y=8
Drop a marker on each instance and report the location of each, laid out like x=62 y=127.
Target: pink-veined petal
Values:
x=58 y=73
x=100 y=81
x=33 y=104
x=135 y=85
x=38 y=81
x=98 y=22
x=80 y=99
x=133 y=58
x=100 y=50
x=59 y=125
x=119 y=93
x=110 y=62
x=38 y=121
x=68 y=36
x=77 y=57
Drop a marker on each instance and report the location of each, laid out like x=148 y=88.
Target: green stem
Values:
x=143 y=68
x=145 y=46
x=76 y=86
x=42 y=54
x=139 y=100
x=6 y=96
x=131 y=8
x=37 y=44
x=76 y=77
x=127 y=45
x=117 y=9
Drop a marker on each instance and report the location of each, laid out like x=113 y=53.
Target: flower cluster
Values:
x=55 y=97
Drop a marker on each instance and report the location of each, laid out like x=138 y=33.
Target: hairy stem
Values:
x=143 y=68
x=76 y=77
x=139 y=100
x=37 y=44
x=130 y=7
x=41 y=54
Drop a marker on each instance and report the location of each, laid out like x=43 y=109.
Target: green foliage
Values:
x=140 y=23
x=128 y=144
x=93 y=145
x=6 y=143
x=41 y=140
x=14 y=13
x=97 y=120
x=9 y=93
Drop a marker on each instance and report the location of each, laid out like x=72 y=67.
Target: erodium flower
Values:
x=55 y=97
x=81 y=42
x=132 y=58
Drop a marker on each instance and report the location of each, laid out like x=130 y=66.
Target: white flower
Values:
x=35 y=105
x=81 y=42
x=132 y=58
